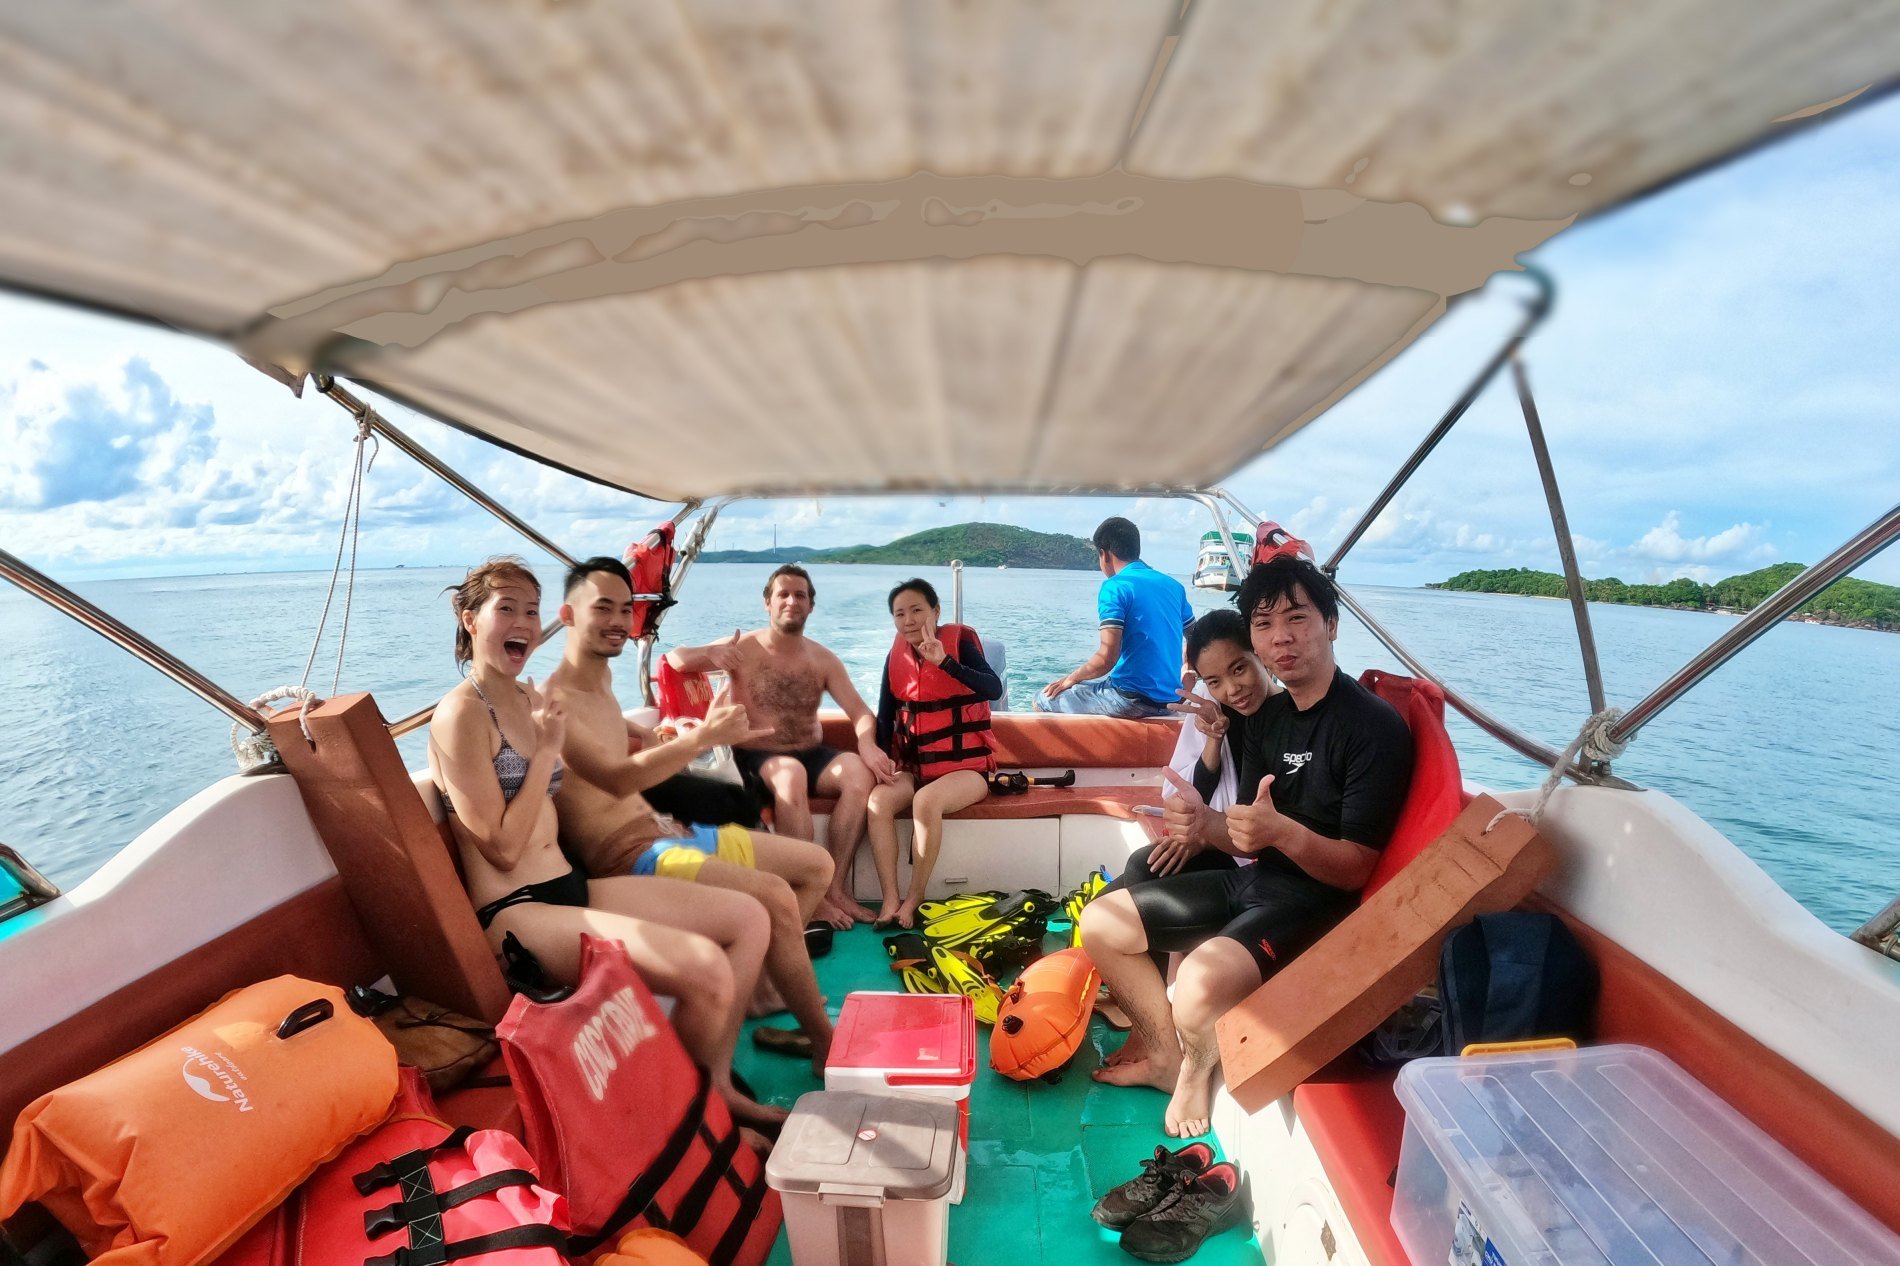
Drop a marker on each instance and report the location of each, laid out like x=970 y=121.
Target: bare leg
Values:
x=847 y=778
x=701 y=948
x=1115 y=939
x=786 y=961
x=934 y=801
x=791 y=810
x=1213 y=978
x=887 y=800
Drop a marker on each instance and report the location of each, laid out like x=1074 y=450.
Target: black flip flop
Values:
x=781 y=1042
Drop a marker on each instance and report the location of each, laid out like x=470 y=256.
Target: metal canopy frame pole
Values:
x=1869 y=541
x=367 y=416
x=127 y=638
x=1240 y=565
x=1535 y=311
x=1519 y=743
x=1560 y=523
x=689 y=554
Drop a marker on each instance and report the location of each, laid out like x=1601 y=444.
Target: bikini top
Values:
x=511 y=767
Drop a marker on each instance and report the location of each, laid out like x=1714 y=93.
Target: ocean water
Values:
x=1789 y=750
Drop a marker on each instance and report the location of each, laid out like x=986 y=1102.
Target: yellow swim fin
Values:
x=965 y=975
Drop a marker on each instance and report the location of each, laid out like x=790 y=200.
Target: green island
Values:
x=977 y=544
x=1859 y=604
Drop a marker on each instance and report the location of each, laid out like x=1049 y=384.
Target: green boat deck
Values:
x=1040 y=1154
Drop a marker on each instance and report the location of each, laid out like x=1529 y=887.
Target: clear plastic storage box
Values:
x=1606 y=1155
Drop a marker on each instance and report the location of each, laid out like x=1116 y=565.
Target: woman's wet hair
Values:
x=921 y=587
x=1221 y=625
x=476 y=588
x=1272 y=583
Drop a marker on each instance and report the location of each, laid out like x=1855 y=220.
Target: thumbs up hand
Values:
x=1184 y=813
x=1256 y=827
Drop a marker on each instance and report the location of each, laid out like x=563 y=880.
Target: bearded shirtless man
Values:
x=607 y=825
x=778 y=676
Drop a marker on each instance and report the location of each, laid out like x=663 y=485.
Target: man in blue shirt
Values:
x=1137 y=670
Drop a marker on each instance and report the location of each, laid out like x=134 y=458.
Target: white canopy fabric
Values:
x=861 y=245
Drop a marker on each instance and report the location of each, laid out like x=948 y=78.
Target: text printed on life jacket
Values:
x=609 y=1037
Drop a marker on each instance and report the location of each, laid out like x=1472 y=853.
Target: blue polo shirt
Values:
x=1152 y=611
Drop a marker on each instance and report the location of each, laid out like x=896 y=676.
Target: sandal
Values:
x=779 y=1042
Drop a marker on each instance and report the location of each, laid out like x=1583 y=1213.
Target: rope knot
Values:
x=1598 y=746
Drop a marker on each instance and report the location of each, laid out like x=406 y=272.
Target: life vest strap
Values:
x=692 y=1206
x=540 y=1235
x=941 y=705
x=740 y=1229
x=645 y=1189
x=432 y=1204
x=391 y=1171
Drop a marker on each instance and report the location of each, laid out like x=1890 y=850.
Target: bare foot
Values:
x=1193 y=1103
x=763 y=1117
x=755 y=1140
x=857 y=913
x=1133 y=1051
x=907 y=914
x=836 y=915
x=1159 y=1073
x=886 y=915
x=765 y=1000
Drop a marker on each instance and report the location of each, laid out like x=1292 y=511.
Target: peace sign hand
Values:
x=1208 y=717
x=931 y=648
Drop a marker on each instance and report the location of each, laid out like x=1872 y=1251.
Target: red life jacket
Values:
x=415 y=1192
x=941 y=726
x=650 y=559
x=624 y=1124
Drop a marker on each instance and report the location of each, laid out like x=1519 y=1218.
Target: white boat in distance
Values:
x=1213 y=568
x=878 y=247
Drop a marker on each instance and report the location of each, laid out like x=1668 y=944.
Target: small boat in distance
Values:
x=1214 y=569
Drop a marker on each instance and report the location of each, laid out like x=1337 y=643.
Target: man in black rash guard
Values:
x=1324 y=768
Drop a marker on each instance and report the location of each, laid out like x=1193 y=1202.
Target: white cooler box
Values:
x=865 y=1178
x=1607 y=1156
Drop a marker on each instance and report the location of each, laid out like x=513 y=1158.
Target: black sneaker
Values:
x=1200 y=1205
x=1160 y=1177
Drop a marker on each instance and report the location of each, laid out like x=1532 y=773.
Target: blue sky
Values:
x=1718 y=384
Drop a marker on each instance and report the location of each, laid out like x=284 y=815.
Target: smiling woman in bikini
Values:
x=933 y=718
x=494 y=751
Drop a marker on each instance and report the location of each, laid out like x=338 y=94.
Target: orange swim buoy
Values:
x=1044 y=1016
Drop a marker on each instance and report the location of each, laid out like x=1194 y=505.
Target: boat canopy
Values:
x=861 y=245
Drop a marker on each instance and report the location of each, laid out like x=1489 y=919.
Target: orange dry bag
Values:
x=650 y=1246
x=1044 y=1016
x=166 y=1156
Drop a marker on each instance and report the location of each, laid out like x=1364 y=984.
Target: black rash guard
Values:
x=1341 y=768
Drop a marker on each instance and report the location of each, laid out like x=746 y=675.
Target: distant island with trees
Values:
x=977 y=544
x=1858 y=604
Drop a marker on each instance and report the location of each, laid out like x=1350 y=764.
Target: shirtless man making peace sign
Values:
x=779 y=676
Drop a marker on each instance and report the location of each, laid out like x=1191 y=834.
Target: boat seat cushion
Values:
x=1437 y=791
x=1032 y=740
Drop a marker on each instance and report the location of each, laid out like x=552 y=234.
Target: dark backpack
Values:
x=1501 y=978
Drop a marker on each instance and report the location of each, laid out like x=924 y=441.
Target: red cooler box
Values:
x=922 y=1044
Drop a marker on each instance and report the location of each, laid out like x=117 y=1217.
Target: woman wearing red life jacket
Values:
x=933 y=717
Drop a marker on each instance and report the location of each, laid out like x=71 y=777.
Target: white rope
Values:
x=253 y=748
x=1593 y=741
x=352 y=520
